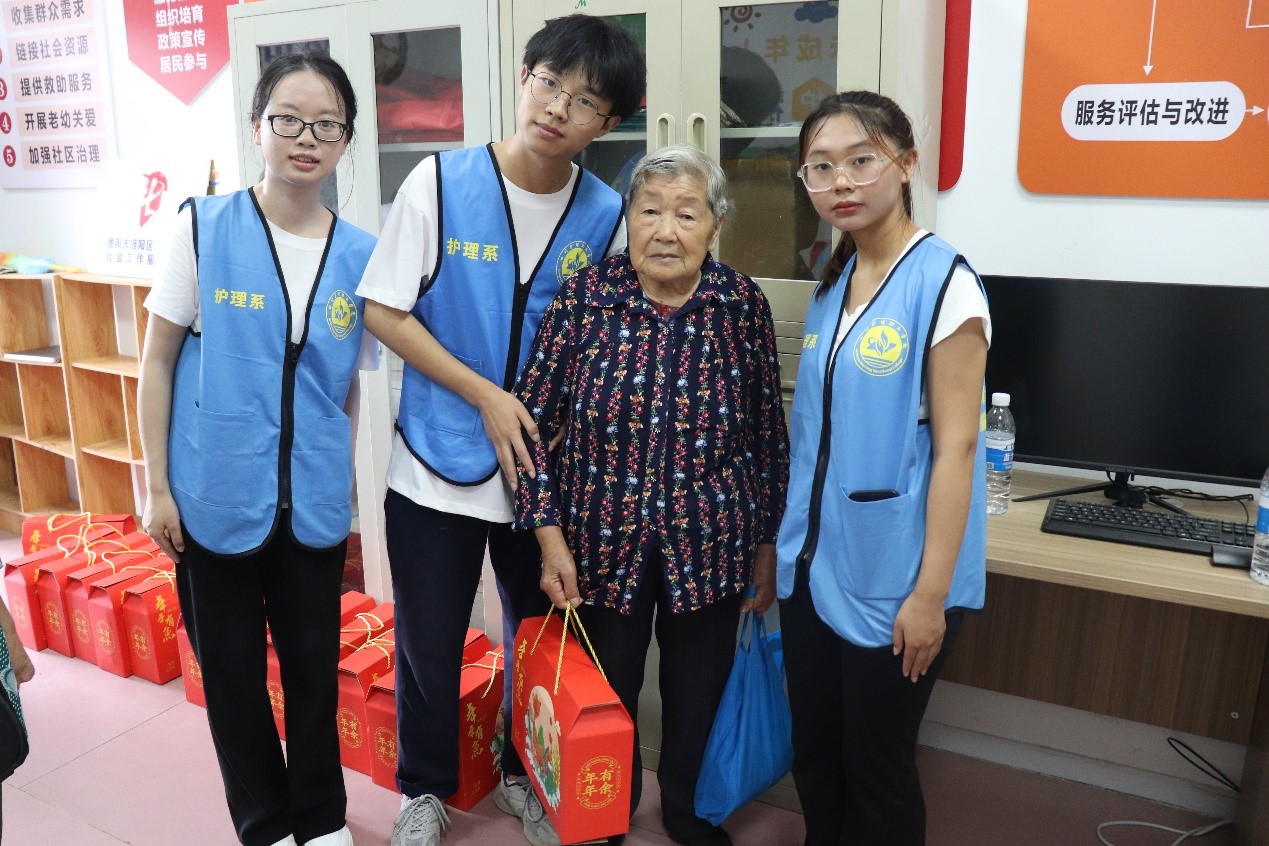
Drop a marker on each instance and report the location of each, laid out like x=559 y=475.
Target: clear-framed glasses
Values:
x=289 y=126
x=862 y=169
x=546 y=90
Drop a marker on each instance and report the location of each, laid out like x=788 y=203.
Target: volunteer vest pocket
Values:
x=881 y=543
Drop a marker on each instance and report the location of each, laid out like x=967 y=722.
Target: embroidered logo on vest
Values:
x=573 y=258
x=883 y=347
x=341 y=314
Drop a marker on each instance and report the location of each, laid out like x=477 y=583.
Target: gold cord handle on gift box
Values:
x=378 y=643
x=364 y=618
x=570 y=618
x=492 y=668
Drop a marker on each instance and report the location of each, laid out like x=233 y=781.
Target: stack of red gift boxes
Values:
x=91 y=586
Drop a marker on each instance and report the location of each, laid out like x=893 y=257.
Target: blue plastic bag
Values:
x=750 y=746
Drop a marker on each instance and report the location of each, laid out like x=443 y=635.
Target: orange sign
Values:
x=1146 y=98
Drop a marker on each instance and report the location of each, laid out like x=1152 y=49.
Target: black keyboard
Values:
x=1177 y=532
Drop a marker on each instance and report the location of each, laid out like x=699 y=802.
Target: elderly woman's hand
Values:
x=764 y=571
x=559 y=572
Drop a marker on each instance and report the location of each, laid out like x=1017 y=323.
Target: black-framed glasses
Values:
x=289 y=126
x=580 y=109
x=862 y=169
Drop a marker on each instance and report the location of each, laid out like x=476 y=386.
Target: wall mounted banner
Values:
x=56 y=121
x=1146 y=98
x=182 y=44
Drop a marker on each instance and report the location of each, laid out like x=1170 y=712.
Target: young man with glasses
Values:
x=474 y=248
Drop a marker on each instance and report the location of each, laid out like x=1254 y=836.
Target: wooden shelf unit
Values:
x=69 y=437
x=102 y=323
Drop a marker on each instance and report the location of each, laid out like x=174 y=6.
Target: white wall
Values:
x=59 y=224
x=1003 y=229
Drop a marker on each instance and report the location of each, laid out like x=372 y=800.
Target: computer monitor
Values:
x=1157 y=379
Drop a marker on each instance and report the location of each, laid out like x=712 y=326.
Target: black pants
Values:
x=226 y=603
x=697 y=651
x=436 y=560
x=855 y=723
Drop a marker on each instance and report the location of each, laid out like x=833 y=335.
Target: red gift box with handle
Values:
x=571 y=730
x=105 y=613
x=372 y=661
x=479 y=700
x=150 y=616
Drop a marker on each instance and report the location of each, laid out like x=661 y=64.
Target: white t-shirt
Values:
x=963 y=301
x=406 y=253
x=174 y=296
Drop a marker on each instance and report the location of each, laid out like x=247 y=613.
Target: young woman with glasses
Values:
x=882 y=547
x=251 y=353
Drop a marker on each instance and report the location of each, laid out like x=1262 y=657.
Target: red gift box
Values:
x=20 y=577
x=381 y=730
x=363 y=626
x=76 y=593
x=479 y=699
x=352 y=605
x=43 y=531
x=150 y=616
x=572 y=732
x=105 y=612
x=273 y=684
x=372 y=661
x=24 y=599
x=191 y=673
x=475 y=646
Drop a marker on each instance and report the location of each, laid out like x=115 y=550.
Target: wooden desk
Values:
x=1148 y=635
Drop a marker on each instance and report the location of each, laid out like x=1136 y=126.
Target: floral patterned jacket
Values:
x=675 y=440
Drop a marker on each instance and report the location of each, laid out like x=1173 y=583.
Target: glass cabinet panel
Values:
x=418 y=76
x=776 y=63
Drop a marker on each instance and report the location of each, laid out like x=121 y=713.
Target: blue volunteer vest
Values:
x=258 y=423
x=864 y=556
x=476 y=309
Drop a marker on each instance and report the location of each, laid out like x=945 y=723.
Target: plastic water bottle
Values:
x=1260 y=552
x=1000 y=435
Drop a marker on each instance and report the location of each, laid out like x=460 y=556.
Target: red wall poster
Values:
x=181 y=44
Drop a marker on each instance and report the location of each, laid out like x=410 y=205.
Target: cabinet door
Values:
x=427 y=68
x=754 y=74
x=656 y=27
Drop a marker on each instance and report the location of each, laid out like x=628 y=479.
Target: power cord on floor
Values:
x=1185 y=835
x=1202 y=765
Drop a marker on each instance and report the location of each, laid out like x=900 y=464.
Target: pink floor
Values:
x=123 y=761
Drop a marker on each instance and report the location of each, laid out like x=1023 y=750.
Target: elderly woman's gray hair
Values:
x=684 y=160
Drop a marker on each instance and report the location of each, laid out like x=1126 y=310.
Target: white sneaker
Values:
x=537 y=825
x=343 y=837
x=511 y=793
x=421 y=822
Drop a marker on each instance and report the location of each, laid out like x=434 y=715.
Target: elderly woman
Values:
x=660 y=366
